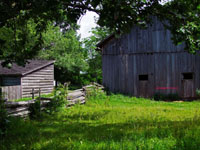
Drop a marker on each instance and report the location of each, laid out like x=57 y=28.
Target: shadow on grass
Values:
x=65 y=133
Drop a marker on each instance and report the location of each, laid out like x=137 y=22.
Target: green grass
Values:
x=30 y=98
x=113 y=122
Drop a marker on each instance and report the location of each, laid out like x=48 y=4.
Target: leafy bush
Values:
x=59 y=99
x=4 y=120
x=198 y=92
x=95 y=93
x=166 y=97
x=35 y=110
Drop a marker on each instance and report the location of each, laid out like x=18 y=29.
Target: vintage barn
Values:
x=145 y=61
x=18 y=82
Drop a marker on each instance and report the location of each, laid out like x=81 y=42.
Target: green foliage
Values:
x=59 y=100
x=41 y=13
x=94 y=72
x=166 y=97
x=119 y=16
x=184 y=22
x=198 y=92
x=111 y=122
x=19 y=42
x=65 y=49
x=179 y=16
x=4 y=120
x=94 y=92
x=35 y=110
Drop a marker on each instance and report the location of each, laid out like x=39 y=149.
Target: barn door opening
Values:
x=143 y=85
x=188 y=85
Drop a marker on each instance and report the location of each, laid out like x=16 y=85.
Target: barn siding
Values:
x=147 y=51
x=42 y=79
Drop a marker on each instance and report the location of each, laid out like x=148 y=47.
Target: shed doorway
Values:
x=188 y=85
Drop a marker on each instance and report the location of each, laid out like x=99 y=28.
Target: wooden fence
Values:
x=20 y=109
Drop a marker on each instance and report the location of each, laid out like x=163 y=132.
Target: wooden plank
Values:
x=36 y=89
x=80 y=100
x=37 y=80
x=41 y=75
x=16 y=110
x=20 y=114
x=37 y=84
x=18 y=104
x=75 y=95
x=188 y=88
x=12 y=92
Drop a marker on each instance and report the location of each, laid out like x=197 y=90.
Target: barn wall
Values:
x=42 y=79
x=148 y=52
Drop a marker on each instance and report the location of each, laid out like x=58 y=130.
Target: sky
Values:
x=87 y=22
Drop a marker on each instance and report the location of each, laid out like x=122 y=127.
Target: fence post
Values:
x=39 y=93
x=1 y=94
x=32 y=93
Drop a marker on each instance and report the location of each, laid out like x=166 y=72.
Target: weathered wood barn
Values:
x=18 y=82
x=145 y=61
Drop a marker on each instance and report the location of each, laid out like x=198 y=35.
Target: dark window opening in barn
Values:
x=143 y=77
x=187 y=76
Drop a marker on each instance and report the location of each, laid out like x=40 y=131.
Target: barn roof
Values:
x=31 y=66
x=104 y=41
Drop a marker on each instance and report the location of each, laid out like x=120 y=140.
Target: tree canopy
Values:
x=65 y=48
x=94 y=71
x=117 y=15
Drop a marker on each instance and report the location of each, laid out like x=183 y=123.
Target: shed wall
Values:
x=11 y=87
x=11 y=92
x=43 y=79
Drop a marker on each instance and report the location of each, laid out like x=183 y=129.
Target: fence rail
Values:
x=20 y=109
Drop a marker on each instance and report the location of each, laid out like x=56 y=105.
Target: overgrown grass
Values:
x=113 y=122
x=30 y=98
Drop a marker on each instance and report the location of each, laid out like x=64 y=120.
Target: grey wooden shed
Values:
x=18 y=81
x=145 y=61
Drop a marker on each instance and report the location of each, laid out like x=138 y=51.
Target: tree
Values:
x=66 y=50
x=183 y=22
x=18 y=43
x=15 y=16
x=94 y=72
x=183 y=18
x=117 y=15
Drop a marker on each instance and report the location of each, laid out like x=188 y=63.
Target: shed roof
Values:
x=31 y=66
